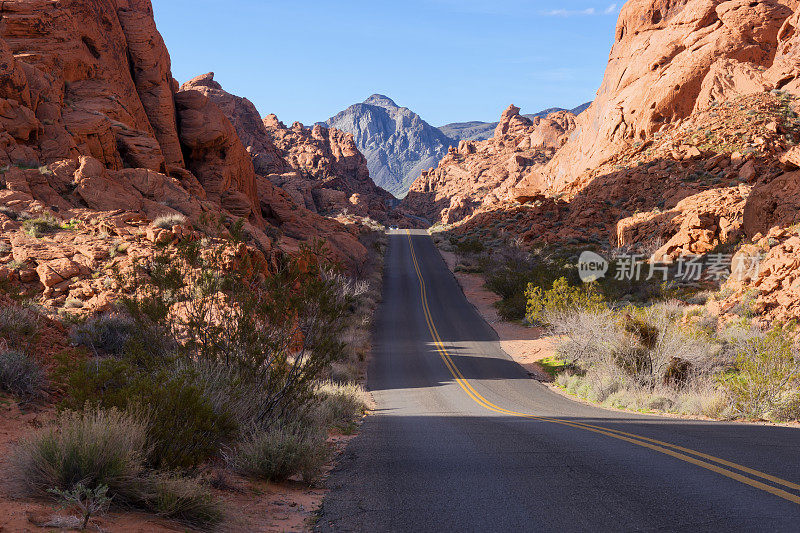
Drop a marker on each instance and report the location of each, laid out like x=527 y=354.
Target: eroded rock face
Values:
x=246 y=120
x=96 y=138
x=695 y=226
x=321 y=168
x=95 y=81
x=485 y=173
x=215 y=154
x=670 y=59
x=327 y=170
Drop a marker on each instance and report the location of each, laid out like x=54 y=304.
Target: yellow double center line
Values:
x=703 y=460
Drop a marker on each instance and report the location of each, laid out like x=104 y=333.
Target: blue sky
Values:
x=448 y=60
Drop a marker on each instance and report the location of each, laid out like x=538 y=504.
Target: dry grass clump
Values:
x=42 y=225
x=99 y=448
x=21 y=375
x=340 y=404
x=169 y=221
x=17 y=323
x=104 y=334
x=282 y=451
x=95 y=447
x=183 y=499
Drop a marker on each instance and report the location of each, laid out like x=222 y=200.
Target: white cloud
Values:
x=579 y=12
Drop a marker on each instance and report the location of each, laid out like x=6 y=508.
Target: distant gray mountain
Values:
x=397 y=143
x=480 y=131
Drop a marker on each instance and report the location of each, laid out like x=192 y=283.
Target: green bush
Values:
x=42 y=225
x=282 y=451
x=544 y=306
x=509 y=273
x=185 y=426
x=21 y=375
x=767 y=384
x=105 y=334
x=95 y=447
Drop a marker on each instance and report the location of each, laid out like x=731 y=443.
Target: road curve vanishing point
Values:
x=462 y=439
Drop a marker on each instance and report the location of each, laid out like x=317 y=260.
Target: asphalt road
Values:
x=463 y=440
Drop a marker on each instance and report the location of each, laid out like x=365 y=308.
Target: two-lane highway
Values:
x=463 y=440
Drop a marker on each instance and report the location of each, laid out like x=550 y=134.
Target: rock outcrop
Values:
x=326 y=171
x=397 y=143
x=97 y=141
x=321 y=169
x=484 y=173
x=480 y=131
x=671 y=59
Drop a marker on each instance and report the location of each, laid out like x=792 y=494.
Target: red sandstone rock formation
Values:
x=484 y=173
x=94 y=130
x=326 y=171
x=321 y=169
x=671 y=59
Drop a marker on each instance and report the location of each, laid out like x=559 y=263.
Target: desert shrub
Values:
x=89 y=502
x=767 y=384
x=590 y=336
x=468 y=246
x=509 y=272
x=649 y=346
x=280 y=331
x=169 y=221
x=183 y=499
x=41 y=225
x=21 y=375
x=7 y=211
x=348 y=287
x=639 y=359
x=545 y=306
x=186 y=428
x=17 y=324
x=185 y=425
x=340 y=404
x=105 y=334
x=282 y=451
x=95 y=447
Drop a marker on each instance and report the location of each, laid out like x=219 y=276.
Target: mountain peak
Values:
x=380 y=100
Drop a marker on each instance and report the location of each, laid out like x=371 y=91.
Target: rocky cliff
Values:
x=671 y=59
x=690 y=147
x=320 y=169
x=98 y=140
x=397 y=143
x=480 y=131
x=482 y=173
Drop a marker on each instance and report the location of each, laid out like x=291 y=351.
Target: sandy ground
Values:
x=525 y=345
